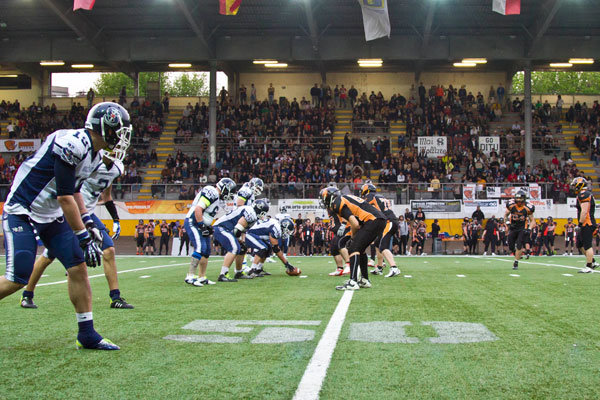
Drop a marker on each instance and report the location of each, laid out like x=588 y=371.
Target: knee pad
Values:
x=263 y=253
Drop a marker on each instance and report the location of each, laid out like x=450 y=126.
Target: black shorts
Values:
x=150 y=242
x=343 y=241
x=387 y=238
x=366 y=234
x=586 y=235
x=140 y=241
x=550 y=239
x=569 y=238
x=516 y=239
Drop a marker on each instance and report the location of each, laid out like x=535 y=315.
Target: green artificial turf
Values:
x=545 y=323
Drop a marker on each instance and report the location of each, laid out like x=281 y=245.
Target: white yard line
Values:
x=124 y=271
x=315 y=372
x=545 y=264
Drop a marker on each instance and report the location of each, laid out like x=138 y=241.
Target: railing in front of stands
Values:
x=401 y=193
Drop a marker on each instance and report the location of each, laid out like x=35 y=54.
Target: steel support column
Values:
x=527 y=111
x=212 y=115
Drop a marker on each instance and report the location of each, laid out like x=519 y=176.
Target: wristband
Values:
x=86 y=218
x=82 y=234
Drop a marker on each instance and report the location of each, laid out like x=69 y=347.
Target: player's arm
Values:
x=240 y=227
x=277 y=249
x=354 y=225
x=531 y=221
x=65 y=191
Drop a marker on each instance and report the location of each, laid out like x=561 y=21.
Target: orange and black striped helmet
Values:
x=328 y=195
x=578 y=184
x=367 y=188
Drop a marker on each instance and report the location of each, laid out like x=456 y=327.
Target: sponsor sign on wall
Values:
x=488 y=207
x=306 y=207
x=435 y=205
x=16 y=145
x=433 y=146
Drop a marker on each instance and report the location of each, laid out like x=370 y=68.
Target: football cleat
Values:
x=104 y=344
x=394 y=271
x=242 y=275
x=485 y=253
x=27 y=302
x=225 y=278
x=347 y=270
x=120 y=303
x=190 y=280
x=337 y=272
x=264 y=273
x=348 y=285
x=371 y=263
x=585 y=270
x=377 y=271
x=270 y=260
x=493 y=254
x=364 y=283
x=206 y=282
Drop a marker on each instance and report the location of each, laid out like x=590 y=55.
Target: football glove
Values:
x=92 y=253
x=206 y=230
x=116 y=230
x=341 y=230
x=289 y=266
x=91 y=228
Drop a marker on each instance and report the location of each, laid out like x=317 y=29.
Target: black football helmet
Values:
x=328 y=195
x=227 y=188
x=261 y=208
x=111 y=121
x=367 y=188
x=521 y=196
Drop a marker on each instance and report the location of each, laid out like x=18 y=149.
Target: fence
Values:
x=400 y=193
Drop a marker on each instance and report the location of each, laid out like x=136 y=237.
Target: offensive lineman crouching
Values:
x=366 y=223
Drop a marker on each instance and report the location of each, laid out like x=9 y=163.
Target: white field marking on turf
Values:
x=144 y=276
x=315 y=372
x=303 y=276
x=546 y=264
x=567 y=274
x=515 y=275
x=461 y=276
x=408 y=276
x=45 y=276
x=124 y=271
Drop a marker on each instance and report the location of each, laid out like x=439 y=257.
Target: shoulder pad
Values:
x=72 y=149
x=249 y=214
x=210 y=192
x=584 y=196
x=118 y=166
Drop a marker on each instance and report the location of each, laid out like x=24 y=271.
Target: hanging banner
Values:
x=16 y=145
x=469 y=191
x=433 y=146
x=487 y=144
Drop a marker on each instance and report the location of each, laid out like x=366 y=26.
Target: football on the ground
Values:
x=293 y=272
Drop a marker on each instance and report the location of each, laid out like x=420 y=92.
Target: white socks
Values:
x=86 y=316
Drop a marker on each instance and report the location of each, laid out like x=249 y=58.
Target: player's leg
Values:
x=519 y=239
x=39 y=267
x=587 y=233
x=60 y=240
x=385 y=248
x=261 y=251
x=21 y=247
x=192 y=275
x=231 y=246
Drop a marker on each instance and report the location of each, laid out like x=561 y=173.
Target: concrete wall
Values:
x=298 y=85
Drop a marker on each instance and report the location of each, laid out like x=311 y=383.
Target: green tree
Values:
x=191 y=84
x=558 y=82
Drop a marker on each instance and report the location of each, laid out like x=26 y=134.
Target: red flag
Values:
x=507 y=7
x=229 y=7
x=83 y=4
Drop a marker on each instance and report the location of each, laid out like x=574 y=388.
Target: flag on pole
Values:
x=375 y=18
x=84 y=4
x=507 y=7
x=229 y=7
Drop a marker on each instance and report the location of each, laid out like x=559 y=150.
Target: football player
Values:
x=139 y=236
x=198 y=222
x=43 y=200
x=465 y=234
x=341 y=234
x=569 y=236
x=366 y=222
x=263 y=237
x=586 y=206
x=520 y=212
x=386 y=238
x=227 y=231
x=246 y=196
x=165 y=235
x=97 y=186
x=549 y=237
x=490 y=235
x=502 y=228
x=149 y=236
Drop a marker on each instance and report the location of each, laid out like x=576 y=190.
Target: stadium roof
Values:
x=310 y=35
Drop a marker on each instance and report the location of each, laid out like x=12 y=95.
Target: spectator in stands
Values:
x=123 y=96
x=243 y=95
x=478 y=214
x=90 y=98
x=252 y=93
x=165 y=102
x=315 y=94
x=353 y=94
x=343 y=97
x=271 y=93
x=223 y=94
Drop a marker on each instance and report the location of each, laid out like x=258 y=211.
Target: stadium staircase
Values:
x=582 y=160
x=164 y=146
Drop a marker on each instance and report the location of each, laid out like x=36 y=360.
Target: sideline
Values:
x=538 y=263
x=315 y=372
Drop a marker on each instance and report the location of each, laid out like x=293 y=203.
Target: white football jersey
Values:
x=33 y=191
x=265 y=229
x=229 y=220
x=245 y=193
x=100 y=179
x=208 y=199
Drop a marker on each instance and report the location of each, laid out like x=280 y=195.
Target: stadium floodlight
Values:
x=370 y=62
x=264 y=62
x=8 y=76
x=49 y=63
x=581 y=61
x=475 y=60
x=464 y=64
x=561 y=65
x=82 y=65
x=276 y=65
x=180 y=65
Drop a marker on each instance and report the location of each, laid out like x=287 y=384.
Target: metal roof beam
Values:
x=427 y=27
x=542 y=24
x=313 y=30
x=195 y=25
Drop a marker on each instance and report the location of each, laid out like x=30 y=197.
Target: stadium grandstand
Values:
x=395 y=125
